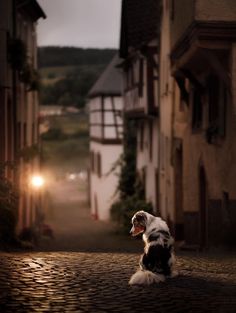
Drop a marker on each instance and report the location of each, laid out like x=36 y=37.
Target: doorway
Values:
x=179 y=216
x=203 y=211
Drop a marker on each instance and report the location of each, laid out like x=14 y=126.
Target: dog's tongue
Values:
x=138 y=230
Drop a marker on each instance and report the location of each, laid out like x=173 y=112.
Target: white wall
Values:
x=104 y=187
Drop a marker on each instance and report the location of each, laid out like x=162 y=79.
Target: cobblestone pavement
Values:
x=94 y=277
x=98 y=282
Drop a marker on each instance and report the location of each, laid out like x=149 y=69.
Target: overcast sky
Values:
x=80 y=23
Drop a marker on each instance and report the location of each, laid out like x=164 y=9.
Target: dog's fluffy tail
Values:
x=142 y=277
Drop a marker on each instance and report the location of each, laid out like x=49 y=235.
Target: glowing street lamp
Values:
x=37 y=181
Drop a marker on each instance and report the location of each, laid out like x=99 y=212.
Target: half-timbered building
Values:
x=106 y=132
x=139 y=51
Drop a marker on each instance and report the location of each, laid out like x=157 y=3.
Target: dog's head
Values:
x=139 y=222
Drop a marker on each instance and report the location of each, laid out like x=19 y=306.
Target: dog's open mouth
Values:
x=137 y=230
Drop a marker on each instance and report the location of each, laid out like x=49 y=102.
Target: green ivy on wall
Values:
x=130 y=186
x=17 y=57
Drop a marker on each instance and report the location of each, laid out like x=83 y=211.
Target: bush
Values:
x=123 y=210
x=54 y=134
x=7 y=226
x=8 y=210
x=130 y=185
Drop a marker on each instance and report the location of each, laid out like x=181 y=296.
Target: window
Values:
x=141 y=143
x=196 y=109
x=213 y=100
x=150 y=86
x=140 y=85
x=99 y=165
x=92 y=161
x=217 y=100
x=150 y=139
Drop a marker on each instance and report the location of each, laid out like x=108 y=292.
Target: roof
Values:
x=139 y=23
x=109 y=83
x=32 y=8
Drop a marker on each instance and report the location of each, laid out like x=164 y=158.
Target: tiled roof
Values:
x=109 y=83
x=139 y=23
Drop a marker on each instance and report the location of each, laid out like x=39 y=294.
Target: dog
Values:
x=157 y=262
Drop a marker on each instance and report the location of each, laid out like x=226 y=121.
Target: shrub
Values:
x=130 y=185
x=8 y=210
x=123 y=210
x=54 y=134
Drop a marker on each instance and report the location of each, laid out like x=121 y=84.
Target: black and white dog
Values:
x=158 y=259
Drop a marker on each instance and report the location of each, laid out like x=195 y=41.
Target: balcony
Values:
x=201 y=24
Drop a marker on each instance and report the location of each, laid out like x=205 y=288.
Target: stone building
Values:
x=179 y=83
x=106 y=133
x=203 y=54
x=18 y=100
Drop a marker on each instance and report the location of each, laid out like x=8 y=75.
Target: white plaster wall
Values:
x=105 y=186
x=95 y=117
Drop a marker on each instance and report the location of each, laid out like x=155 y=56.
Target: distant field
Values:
x=70 y=124
x=50 y=75
x=70 y=154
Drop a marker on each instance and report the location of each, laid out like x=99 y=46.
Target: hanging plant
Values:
x=130 y=186
x=30 y=77
x=18 y=59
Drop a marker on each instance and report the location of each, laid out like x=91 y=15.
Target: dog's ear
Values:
x=141 y=218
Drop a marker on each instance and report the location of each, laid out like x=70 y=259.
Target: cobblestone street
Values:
x=87 y=266
x=98 y=282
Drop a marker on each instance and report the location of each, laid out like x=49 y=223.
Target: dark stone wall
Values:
x=191 y=228
x=221 y=225
x=215 y=227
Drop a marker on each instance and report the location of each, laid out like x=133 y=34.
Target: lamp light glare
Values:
x=37 y=181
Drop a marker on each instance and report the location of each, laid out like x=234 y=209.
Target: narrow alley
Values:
x=109 y=108
x=77 y=230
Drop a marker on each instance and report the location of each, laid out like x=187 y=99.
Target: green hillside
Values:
x=65 y=56
x=68 y=73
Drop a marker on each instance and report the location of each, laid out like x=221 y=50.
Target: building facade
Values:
x=193 y=121
x=106 y=133
x=139 y=49
x=203 y=64
x=18 y=101
x=173 y=119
